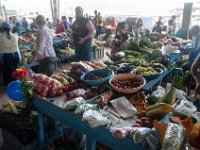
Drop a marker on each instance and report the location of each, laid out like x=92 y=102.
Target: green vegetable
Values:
x=146 y=42
x=169 y=97
x=108 y=62
x=133 y=45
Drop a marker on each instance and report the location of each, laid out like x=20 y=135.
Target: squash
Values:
x=194 y=136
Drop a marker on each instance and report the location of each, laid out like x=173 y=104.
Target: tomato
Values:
x=148 y=124
x=59 y=92
x=66 y=87
x=70 y=87
x=52 y=92
x=139 y=122
x=75 y=85
x=118 y=134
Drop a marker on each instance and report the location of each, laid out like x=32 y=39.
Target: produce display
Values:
x=128 y=83
x=161 y=118
x=92 y=77
x=145 y=71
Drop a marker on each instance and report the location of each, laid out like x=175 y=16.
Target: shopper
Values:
x=45 y=52
x=82 y=32
x=60 y=27
x=49 y=24
x=70 y=22
x=9 y=52
x=98 y=25
x=172 y=26
x=33 y=25
x=25 y=24
x=64 y=20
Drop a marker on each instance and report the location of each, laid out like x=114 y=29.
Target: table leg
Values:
x=90 y=143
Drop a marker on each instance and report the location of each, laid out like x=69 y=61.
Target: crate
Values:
x=10 y=142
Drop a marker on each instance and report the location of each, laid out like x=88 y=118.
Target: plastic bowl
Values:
x=104 y=73
x=14 y=91
x=154 y=76
x=125 y=77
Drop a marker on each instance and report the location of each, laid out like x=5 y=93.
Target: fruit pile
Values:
x=92 y=77
x=46 y=86
x=143 y=122
x=146 y=71
x=128 y=83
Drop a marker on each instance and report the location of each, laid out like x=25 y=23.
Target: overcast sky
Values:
x=104 y=6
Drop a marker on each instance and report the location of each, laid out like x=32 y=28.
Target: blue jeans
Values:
x=83 y=52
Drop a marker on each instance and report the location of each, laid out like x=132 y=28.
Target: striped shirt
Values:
x=45 y=42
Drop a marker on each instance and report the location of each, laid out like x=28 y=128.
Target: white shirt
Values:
x=8 y=45
x=45 y=42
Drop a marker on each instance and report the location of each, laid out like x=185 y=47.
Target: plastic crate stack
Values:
x=99 y=53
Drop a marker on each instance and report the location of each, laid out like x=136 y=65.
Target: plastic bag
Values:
x=74 y=103
x=95 y=118
x=121 y=132
x=78 y=92
x=139 y=134
x=81 y=109
x=184 y=108
x=81 y=65
x=156 y=95
x=174 y=137
x=123 y=107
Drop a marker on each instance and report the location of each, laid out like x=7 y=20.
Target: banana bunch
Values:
x=10 y=107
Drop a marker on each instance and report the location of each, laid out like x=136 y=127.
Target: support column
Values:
x=187 y=12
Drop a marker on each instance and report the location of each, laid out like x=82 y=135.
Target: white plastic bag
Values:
x=95 y=118
x=81 y=109
x=74 y=103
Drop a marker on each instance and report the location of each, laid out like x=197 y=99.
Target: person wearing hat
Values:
x=45 y=53
x=9 y=52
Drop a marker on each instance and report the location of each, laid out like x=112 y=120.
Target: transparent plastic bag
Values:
x=95 y=118
x=139 y=134
x=174 y=137
x=156 y=95
x=81 y=109
x=184 y=108
x=74 y=103
x=121 y=132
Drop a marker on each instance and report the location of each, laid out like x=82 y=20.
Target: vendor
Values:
x=172 y=26
x=18 y=28
x=82 y=30
x=195 y=31
x=158 y=26
x=45 y=52
x=9 y=52
x=121 y=38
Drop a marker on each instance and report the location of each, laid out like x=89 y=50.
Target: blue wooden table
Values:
x=101 y=134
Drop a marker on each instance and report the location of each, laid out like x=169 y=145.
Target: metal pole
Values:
x=187 y=12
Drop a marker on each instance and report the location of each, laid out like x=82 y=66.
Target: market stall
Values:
x=130 y=101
